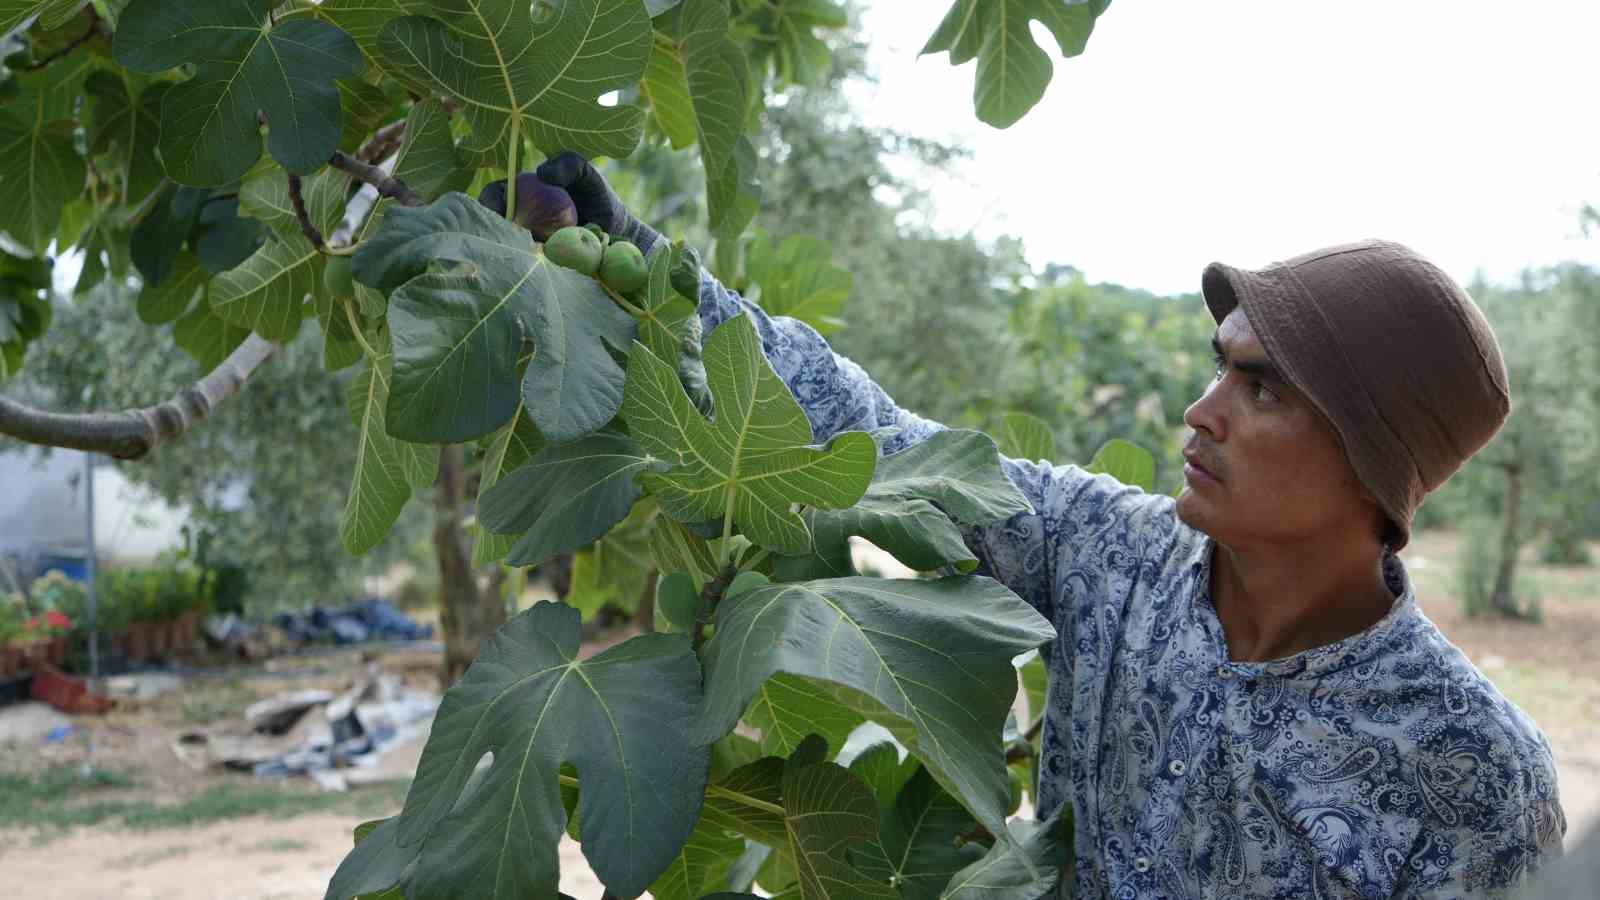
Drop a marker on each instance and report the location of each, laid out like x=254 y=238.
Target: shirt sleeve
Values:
x=1494 y=851
x=837 y=395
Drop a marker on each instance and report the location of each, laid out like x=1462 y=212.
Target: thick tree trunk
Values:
x=468 y=613
x=1504 y=599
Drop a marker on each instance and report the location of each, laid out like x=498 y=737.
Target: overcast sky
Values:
x=1251 y=130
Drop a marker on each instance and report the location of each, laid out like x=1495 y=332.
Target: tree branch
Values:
x=386 y=185
x=299 y=201
x=383 y=142
x=710 y=596
x=132 y=433
x=75 y=43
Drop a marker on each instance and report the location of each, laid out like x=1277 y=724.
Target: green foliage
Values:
x=1013 y=71
x=605 y=425
x=750 y=464
x=618 y=717
x=247 y=68
x=1126 y=462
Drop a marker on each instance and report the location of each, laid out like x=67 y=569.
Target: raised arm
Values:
x=836 y=394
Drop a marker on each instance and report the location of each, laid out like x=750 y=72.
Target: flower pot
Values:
x=138 y=634
x=57 y=651
x=35 y=653
x=158 y=638
x=8 y=660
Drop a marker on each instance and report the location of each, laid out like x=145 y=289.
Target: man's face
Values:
x=1263 y=466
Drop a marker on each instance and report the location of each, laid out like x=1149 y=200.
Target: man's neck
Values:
x=1278 y=601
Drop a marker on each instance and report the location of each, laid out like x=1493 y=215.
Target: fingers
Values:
x=570 y=170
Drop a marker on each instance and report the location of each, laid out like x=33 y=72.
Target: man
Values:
x=1245 y=700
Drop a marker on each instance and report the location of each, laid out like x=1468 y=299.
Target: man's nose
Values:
x=1205 y=414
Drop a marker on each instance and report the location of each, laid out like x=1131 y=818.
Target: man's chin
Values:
x=1194 y=511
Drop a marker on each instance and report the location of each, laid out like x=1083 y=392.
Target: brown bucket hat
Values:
x=1393 y=353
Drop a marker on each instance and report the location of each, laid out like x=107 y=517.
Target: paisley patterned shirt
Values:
x=1383 y=765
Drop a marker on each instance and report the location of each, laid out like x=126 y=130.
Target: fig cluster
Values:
x=618 y=264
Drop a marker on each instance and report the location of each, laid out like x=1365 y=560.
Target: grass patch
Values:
x=221 y=700
x=64 y=797
x=278 y=845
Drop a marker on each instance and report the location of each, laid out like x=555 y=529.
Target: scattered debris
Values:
x=367 y=620
x=29 y=722
x=141 y=686
x=319 y=734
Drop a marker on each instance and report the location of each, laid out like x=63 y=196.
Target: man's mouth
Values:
x=1195 y=470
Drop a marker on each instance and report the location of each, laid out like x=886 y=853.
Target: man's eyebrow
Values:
x=1258 y=368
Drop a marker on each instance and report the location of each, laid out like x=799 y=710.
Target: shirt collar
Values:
x=1354 y=650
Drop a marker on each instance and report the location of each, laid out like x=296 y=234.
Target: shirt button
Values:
x=1177 y=768
x=1224 y=672
x=1142 y=864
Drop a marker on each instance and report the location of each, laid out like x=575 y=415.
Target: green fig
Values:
x=575 y=248
x=336 y=277
x=622 y=268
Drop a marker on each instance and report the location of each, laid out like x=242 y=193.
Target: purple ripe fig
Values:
x=543 y=209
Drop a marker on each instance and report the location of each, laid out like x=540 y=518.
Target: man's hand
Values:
x=597 y=204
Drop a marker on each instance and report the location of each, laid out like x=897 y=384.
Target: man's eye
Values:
x=1262 y=393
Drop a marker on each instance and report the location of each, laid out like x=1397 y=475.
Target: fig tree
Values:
x=575 y=248
x=542 y=208
x=622 y=268
x=336 y=277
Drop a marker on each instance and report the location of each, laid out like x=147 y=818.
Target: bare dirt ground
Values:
x=1551 y=670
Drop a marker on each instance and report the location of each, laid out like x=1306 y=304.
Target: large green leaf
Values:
x=1026 y=867
x=513 y=445
x=665 y=87
x=788 y=34
x=718 y=79
x=909 y=506
x=826 y=811
x=1013 y=71
x=1125 y=461
x=540 y=79
x=363 y=20
x=207 y=338
x=669 y=319
x=918 y=848
x=40 y=173
x=702 y=865
x=788 y=709
x=458 y=334
x=267 y=294
x=246 y=68
x=53 y=13
x=387 y=469
x=265 y=196
x=752 y=462
x=169 y=300
x=429 y=163
x=933 y=654
x=798 y=279
x=617 y=568
x=619 y=717
x=1023 y=436
x=567 y=496
x=677 y=549
x=124 y=125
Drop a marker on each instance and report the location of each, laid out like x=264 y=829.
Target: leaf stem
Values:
x=511 y=168
x=349 y=305
x=633 y=310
